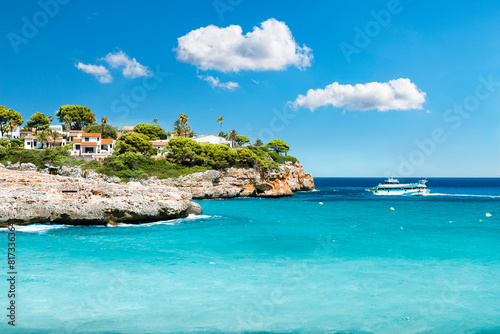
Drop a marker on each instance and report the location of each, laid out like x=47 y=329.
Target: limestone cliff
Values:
x=30 y=197
x=27 y=196
x=238 y=182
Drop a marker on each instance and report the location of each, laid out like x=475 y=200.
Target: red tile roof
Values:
x=106 y=140
x=91 y=135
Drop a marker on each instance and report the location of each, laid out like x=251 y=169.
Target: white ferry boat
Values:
x=393 y=187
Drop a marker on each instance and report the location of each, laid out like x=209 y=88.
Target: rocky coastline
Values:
x=240 y=182
x=74 y=197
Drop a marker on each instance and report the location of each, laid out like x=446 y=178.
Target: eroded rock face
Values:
x=238 y=182
x=30 y=197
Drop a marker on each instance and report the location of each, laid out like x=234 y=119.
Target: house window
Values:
x=77 y=147
x=87 y=139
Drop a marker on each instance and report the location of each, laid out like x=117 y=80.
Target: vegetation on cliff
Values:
x=134 y=154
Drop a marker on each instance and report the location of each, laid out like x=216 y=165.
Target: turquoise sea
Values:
x=288 y=265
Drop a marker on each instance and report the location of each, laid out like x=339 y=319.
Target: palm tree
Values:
x=183 y=118
x=220 y=120
x=42 y=136
x=53 y=134
x=155 y=121
x=104 y=120
x=68 y=120
x=177 y=127
x=232 y=137
x=9 y=127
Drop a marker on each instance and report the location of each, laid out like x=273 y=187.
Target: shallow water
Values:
x=288 y=265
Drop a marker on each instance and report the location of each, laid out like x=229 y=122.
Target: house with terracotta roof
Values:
x=75 y=134
x=159 y=144
x=91 y=144
x=23 y=132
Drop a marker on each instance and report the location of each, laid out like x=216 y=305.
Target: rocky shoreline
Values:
x=87 y=198
x=239 y=182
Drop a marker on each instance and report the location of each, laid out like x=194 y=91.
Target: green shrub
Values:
x=5 y=142
x=16 y=142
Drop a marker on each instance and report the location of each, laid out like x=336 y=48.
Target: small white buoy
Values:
x=320 y=203
x=391 y=208
x=488 y=215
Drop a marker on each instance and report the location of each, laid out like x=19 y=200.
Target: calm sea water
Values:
x=290 y=265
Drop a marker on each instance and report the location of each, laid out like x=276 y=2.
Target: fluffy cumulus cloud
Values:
x=270 y=47
x=400 y=94
x=99 y=71
x=130 y=67
x=215 y=83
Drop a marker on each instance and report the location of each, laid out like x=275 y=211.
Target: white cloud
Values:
x=269 y=47
x=131 y=68
x=400 y=94
x=99 y=71
x=215 y=83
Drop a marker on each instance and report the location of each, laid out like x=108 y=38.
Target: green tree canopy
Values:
x=9 y=117
x=134 y=142
x=152 y=131
x=106 y=130
x=38 y=121
x=240 y=140
x=80 y=115
x=188 y=152
x=278 y=145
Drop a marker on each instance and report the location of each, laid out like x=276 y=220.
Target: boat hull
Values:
x=399 y=192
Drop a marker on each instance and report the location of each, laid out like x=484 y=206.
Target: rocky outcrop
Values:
x=30 y=197
x=89 y=198
x=238 y=182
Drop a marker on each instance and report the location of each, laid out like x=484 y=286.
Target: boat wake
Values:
x=463 y=195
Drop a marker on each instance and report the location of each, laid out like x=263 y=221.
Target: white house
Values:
x=75 y=134
x=212 y=139
x=15 y=133
x=91 y=144
x=107 y=145
x=25 y=133
x=32 y=143
x=58 y=128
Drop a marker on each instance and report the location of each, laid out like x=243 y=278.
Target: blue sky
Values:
x=422 y=59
